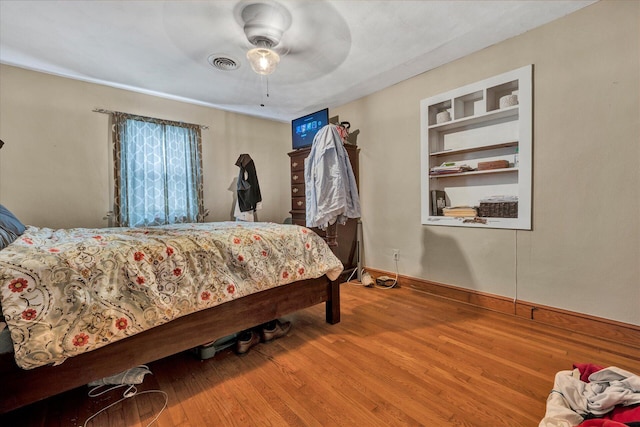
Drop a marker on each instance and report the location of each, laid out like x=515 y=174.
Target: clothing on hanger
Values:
x=248 y=187
x=330 y=185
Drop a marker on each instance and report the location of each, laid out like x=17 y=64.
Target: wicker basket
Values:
x=498 y=209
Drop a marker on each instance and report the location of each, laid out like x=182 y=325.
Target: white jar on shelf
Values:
x=508 y=101
x=443 y=117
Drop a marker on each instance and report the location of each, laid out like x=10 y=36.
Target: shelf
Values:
x=491 y=222
x=469 y=105
x=478 y=133
x=450 y=175
x=472 y=120
x=474 y=149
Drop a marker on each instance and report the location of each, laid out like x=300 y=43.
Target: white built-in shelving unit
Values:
x=479 y=130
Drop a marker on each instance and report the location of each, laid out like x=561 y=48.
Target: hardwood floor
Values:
x=398 y=357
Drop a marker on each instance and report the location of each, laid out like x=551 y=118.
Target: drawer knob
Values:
x=295 y=177
x=299 y=203
x=295 y=190
x=294 y=164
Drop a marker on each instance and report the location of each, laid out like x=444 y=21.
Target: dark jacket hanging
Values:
x=248 y=187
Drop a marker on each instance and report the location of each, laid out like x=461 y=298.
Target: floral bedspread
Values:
x=65 y=292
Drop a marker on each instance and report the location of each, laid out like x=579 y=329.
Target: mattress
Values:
x=69 y=291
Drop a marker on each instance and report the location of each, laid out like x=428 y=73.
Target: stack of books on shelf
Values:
x=461 y=211
x=446 y=168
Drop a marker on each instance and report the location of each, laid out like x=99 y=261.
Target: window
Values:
x=158 y=171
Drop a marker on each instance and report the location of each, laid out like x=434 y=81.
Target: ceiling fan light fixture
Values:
x=263 y=60
x=264 y=21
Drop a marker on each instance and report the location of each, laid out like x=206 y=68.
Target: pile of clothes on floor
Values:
x=593 y=396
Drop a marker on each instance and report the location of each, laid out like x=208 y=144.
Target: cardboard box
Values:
x=494 y=164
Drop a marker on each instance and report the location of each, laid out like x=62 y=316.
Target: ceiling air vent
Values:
x=223 y=62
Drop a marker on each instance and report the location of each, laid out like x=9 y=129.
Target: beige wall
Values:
x=583 y=253
x=54 y=167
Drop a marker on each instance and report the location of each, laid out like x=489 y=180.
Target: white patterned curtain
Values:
x=158 y=171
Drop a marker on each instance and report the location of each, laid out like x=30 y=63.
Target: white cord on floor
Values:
x=351 y=276
x=131 y=391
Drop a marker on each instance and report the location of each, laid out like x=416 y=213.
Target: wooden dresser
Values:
x=347 y=234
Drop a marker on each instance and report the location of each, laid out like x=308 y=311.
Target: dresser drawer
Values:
x=297 y=190
x=297 y=164
x=298 y=203
x=297 y=177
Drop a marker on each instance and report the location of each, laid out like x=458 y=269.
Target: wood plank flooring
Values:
x=398 y=358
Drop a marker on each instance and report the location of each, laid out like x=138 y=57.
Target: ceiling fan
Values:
x=264 y=25
x=310 y=37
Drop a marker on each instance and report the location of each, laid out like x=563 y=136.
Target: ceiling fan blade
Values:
x=314 y=46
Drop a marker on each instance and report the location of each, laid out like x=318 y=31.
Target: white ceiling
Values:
x=338 y=51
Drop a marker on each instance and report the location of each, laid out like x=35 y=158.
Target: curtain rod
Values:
x=103 y=111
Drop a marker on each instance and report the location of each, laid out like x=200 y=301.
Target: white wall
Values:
x=54 y=166
x=583 y=253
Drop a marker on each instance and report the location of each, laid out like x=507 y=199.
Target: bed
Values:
x=77 y=302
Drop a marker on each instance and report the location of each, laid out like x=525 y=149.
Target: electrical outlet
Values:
x=396 y=254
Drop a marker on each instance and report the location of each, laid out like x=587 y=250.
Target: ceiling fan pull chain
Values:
x=264 y=80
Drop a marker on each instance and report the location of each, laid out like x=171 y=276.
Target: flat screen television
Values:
x=304 y=129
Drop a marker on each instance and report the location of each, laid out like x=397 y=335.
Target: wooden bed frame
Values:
x=21 y=387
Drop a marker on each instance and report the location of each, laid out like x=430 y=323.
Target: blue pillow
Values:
x=10 y=227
